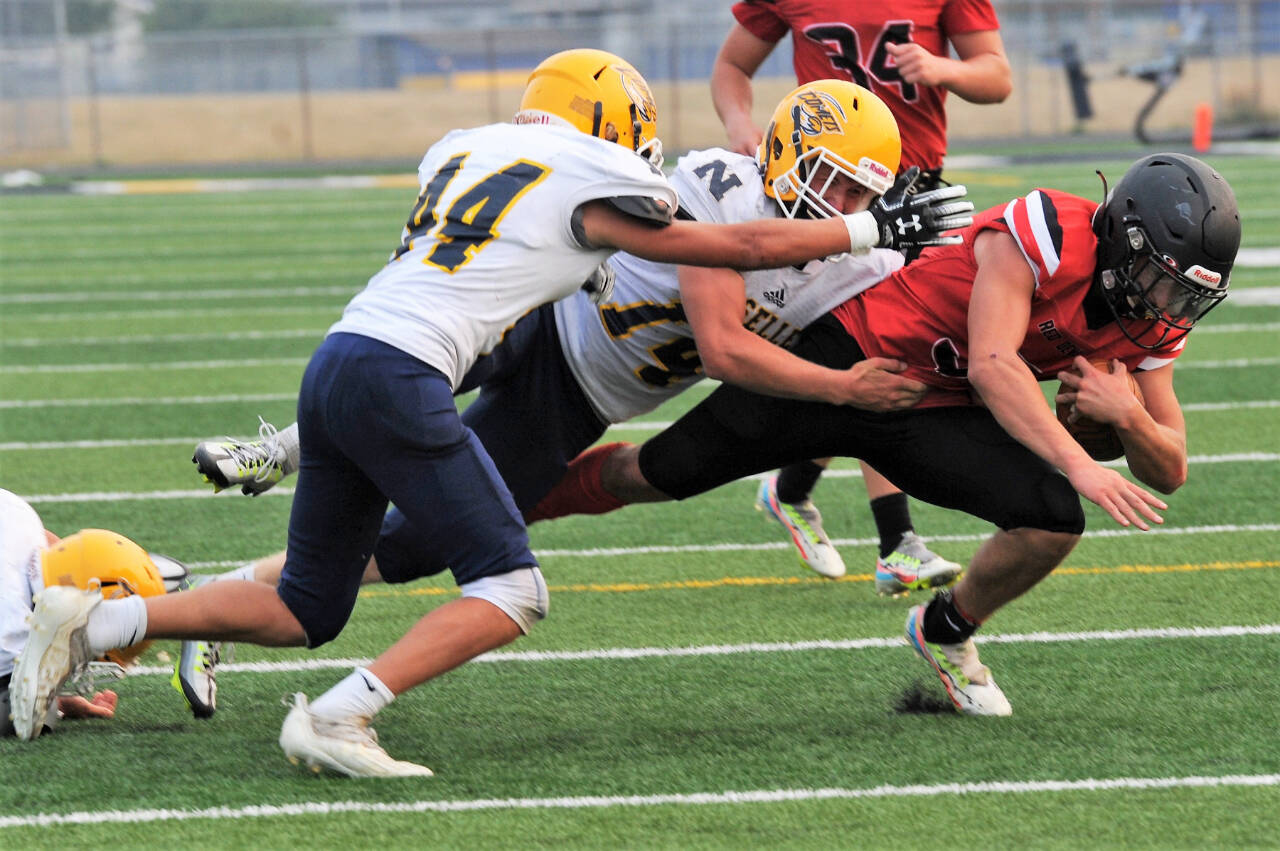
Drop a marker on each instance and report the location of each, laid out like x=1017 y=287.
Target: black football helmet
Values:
x=1167 y=238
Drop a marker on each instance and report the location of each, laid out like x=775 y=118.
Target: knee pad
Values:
x=522 y=594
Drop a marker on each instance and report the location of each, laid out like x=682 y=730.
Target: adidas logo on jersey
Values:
x=777 y=297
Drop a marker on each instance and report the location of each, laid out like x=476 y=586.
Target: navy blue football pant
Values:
x=531 y=417
x=378 y=424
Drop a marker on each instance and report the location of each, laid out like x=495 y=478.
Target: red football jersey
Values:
x=920 y=313
x=846 y=40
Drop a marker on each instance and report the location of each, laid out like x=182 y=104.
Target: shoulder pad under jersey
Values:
x=649 y=209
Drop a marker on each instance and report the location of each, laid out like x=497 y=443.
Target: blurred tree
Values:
x=181 y=15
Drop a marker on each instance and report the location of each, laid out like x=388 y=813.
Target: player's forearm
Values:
x=1009 y=391
x=1156 y=454
x=731 y=94
x=763 y=244
x=755 y=364
x=980 y=79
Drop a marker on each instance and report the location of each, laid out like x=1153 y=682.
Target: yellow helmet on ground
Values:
x=827 y=122
x=598 y=93
x=116 y=564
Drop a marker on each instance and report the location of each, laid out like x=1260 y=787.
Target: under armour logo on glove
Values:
x=907 y=221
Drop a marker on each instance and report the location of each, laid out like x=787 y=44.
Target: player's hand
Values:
x=874 y=385
x=915 y=64
x=101 y=705
x=744 y=138
x=1099 y=395
x=600 y=284
x=907 y=221
x=1127 y=503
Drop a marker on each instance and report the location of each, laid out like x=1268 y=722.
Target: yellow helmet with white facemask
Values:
x=831 y=123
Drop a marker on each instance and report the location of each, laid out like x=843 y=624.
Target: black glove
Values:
x=906 y=221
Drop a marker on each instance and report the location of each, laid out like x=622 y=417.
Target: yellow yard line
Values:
x=762 y=581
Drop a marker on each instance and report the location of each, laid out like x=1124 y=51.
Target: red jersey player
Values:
x=1040 y=285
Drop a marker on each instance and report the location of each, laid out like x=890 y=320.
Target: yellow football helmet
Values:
x=116 y=564
x=598 y=93
x=827 y=122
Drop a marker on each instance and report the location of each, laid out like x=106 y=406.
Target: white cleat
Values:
x=913 y=566
x=56 y=650
x=968 y=682
x=347 y=747
x=804 y=524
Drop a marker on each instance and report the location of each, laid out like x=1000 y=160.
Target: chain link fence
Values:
x=384 y=88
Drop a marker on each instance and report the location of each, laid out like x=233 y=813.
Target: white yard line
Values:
x=183 y=295
x=582 y=802
x=153 y=366
x=739 y=546
x=625 y=653
x=282 y=490
x=282 y=334
x=657 y=549
x=318 y=333
x=148 y=400
x=645 y=425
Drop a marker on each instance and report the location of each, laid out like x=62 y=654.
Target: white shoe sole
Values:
x=55 y=649
x=829 y=564
x=301 y=746
x=973 y=699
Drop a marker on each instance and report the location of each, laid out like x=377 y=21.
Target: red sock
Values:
x=580 y=491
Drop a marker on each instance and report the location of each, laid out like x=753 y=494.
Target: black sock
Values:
x=893 y=519
x=796 y=481
x=943 y=623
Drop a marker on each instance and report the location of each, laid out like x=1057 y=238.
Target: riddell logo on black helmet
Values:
x=1200 y=273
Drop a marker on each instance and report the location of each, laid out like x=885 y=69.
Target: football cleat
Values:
x=194 y=676
x=255 y=466
x=913 y=566
x=56 y=650
x=348 y=746
x=969 y=684
x=804 y=524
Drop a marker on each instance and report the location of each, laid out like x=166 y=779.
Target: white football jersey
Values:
x=636 y=351
x=21 y=542
x=490 y=238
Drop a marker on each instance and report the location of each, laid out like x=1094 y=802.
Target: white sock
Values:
x=116 y=623
x=361 y=695
x=287 y=440
x=244 y=573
